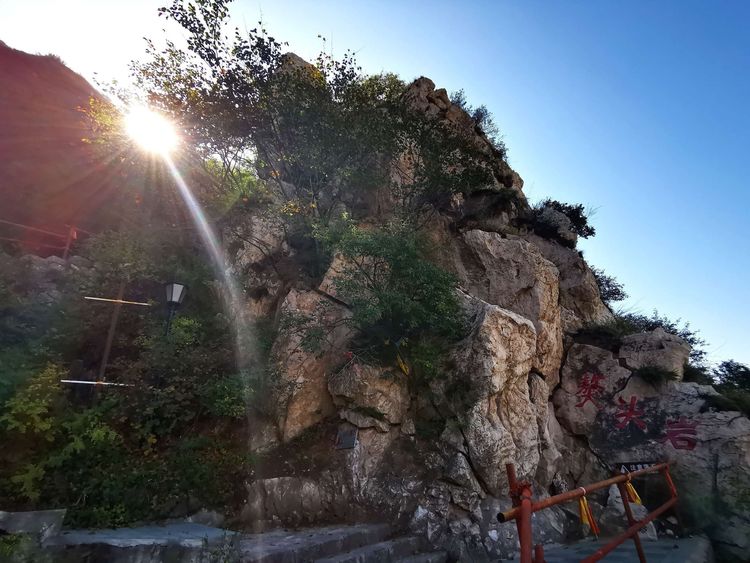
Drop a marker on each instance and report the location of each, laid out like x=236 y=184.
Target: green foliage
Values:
x=576 y=213
x=396 y=295
x=548 y=226
x=733 y=375
x=610 y=290
x=697 y=374
x=732 y=380
x=482 y=118
x=655 y=375
x=24 y=321
x=226 y=397
x=729 y=400
x=609 y=334
x=121 y=255
x=321 y=135
x=119 y=455
x=227 y=550
x=22 y=548
x=31 y=411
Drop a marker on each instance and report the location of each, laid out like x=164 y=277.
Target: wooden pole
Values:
x=111 y=332
x=68 y=242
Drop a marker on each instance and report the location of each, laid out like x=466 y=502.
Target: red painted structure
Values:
x=524 y=505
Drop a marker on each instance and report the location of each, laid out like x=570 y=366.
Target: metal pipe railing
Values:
x=524 y=507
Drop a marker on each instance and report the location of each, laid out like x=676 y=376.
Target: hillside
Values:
x=48 y=175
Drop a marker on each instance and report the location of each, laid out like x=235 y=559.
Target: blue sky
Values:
x=639 y=110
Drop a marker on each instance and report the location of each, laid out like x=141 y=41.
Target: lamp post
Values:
x=175 y=295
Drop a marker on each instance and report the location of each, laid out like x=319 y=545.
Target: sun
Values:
x=151 y=130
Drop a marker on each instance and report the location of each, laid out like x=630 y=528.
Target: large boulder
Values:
x=514 y=275
x=624 y=419
x=496 y=416
x=657 y=348
x=613 y=520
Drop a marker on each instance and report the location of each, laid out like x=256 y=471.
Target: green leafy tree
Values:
x=733 y=375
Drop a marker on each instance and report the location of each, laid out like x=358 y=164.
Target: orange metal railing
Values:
x=524 y=505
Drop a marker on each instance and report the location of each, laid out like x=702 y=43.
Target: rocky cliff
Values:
x=520 y=388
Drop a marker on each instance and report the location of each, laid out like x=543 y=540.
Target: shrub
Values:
x=575 y=212
x=609 y=334
x=482 y=118
x=610 y=290
x=655 y=375
x=729 y=400
x=397 y=297
x=226 y=396
x=697 y=374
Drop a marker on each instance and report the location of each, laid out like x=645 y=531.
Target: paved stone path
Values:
x=186 y=542
x=686 y=550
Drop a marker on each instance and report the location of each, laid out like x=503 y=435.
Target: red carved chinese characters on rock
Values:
x=589 y=389
x=629 y=412
x=681 y=434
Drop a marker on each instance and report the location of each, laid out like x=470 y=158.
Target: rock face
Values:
x=623 y=419
x=256 y=247
x=302 y=394
x=580 y=302
x=369 y=396
x=516 y=389
x=499 y=422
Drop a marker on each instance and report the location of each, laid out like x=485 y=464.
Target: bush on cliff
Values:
x=398 y=298
x=610 y=290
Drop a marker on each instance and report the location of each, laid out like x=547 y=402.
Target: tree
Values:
x=321 y=135
x=733 y=375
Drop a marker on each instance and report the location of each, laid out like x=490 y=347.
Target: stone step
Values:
x=433 y=557
x=383 y=552
x=283 y=546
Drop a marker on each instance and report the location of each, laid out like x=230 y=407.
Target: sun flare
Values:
x=152 y=131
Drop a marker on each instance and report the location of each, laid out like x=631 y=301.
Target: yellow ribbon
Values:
x=402 y=364
x=632 y=493
x=587 y=518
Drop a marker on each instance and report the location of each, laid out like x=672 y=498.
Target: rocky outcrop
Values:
x=558 y=225
x=498 y=421
x=514 y=275
x=435 y=458
x=369 y=396
x=655 y=349
x=580 y=302
x=422 y=96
